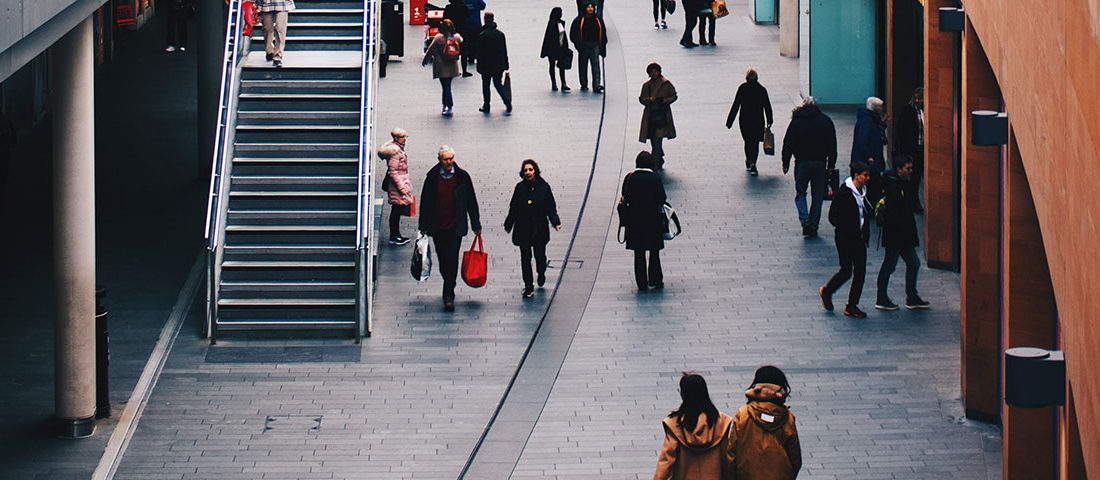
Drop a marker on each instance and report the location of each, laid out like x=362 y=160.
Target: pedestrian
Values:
x=456 y=12
x=492 y=62
x=590 y=39
x=179 y=12
x=398 y=185
x=597 y=3
x=899 y=235
x=706 y=15
x=446 y=202
x=443 y=53
x=643 y=195
x=273 y=15
x=691 y=10
x=555 y=48
x=694 y=435
x=754 y=105
x=811 y=140
x=868 y=142
x=763 y=440
x=472 y=27
x=909 y=131
x=851 y=214
x=530 y=213
x=657 y=95
x=662 y=7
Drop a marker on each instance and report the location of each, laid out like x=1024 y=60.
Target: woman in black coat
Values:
x=752 y=100
x=555 y=48
x=530 y=213
x=643 y=196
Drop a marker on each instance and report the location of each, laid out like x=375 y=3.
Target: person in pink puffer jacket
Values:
x=397 y=183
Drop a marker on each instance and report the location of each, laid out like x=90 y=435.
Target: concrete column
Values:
x=211 y=49
x=939 y=139
x=72 y=94
x=788 y=28
x=981 y=238
x=1029 y=320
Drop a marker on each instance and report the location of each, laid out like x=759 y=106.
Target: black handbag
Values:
x=566 y=60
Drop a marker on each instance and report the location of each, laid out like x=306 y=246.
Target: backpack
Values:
x=451 y=49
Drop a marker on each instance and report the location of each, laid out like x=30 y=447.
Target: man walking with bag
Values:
x=492 y=62
x=811 y=140
x=446 y=202
x=899 y=235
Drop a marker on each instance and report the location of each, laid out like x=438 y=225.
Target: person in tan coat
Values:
x=657 y=95
x=694 y=435
x=443 y=53
x=763 y=441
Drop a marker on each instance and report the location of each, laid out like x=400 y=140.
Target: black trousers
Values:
x=537 y=250
x=659 y=5
x=561 y=71
x=890 y=261
x=177 y=29
x=654 y=277
x=689 y=25
x=752 y=150
x=853 y=264
x=703 y=21
x=447 y=243
x=498 y=83
x=396 y=212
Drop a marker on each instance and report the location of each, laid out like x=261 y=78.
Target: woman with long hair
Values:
x=694 y=435
x=555 y=48
x=530 y=213
x=443 y=53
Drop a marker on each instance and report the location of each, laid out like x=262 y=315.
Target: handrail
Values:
x=216 y=202
x=365 y=192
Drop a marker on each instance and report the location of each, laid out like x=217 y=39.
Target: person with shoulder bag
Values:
x=397 y=183
x=657 y=95
x=555 y=48
x=754 y=106
x=643 y=195
x=530 y=213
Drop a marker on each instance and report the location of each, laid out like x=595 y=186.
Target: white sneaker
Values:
x=183 y=49
x=656 y=26
x=170 y=49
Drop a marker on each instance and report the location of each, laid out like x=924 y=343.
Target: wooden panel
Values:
x=939 y=139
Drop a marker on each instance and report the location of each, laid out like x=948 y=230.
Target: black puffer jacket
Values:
x=810 y=136
x=492 y=51
x=899 y=227
x=531 y=212
x=844 y=215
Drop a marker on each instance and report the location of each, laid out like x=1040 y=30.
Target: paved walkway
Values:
x=875 y=398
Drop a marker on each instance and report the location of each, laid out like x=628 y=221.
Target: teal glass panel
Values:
x=842 y=50
x=764 y=11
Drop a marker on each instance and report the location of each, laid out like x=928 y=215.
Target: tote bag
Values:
x=475 y=264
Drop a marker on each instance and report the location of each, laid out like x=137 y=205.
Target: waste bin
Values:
x=102 y=356
x=393 y=32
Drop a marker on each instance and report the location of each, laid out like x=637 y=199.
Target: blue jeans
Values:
x=588 y=53
x=810 y=174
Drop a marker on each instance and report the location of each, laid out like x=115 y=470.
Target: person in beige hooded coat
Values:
x=694 y=435
x=763 y=441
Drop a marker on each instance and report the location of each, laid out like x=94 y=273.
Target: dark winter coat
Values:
x=810 y=137
x=763 y=441
x=906 y=128
x=844 y=215
x=692 y=7
x=464 y=198
x=868 y=141
x=457 y=12
x=665 y=93
x=594 y=31
x=753 y=103
x=644 y=193
x=553 y=46
x=531 y=212
x=899 y=227
x=492 y=51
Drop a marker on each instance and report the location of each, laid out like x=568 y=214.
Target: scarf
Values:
x=860 y=198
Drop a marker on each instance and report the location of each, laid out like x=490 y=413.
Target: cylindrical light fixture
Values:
x=1035 y=377
x=988 y=127
x=952 y=19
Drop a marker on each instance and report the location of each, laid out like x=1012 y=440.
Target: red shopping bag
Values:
x=475 y=264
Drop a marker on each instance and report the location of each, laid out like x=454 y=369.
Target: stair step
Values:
x=351 y=115
x=258 y=214
x=295 y=265
x=307 y=96
x=313 y=38
x=287 y=302
x=281 y=286
x=292 y=194
x=295 y=180
x=294 y=160
x=295 y=324
x=298 y=127
x=318 y=11
x=289 y=228
x=287 y=146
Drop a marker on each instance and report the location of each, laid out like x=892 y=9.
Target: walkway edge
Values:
x=127 y=424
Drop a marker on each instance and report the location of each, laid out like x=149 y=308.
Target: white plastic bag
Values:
x=421 y=267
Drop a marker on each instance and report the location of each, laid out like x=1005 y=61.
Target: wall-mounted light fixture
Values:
x=952 y=19
x=988 y=127
x=1035 y=377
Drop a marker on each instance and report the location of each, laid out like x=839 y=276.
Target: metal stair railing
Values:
x=365 y=247
x=236 y=45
